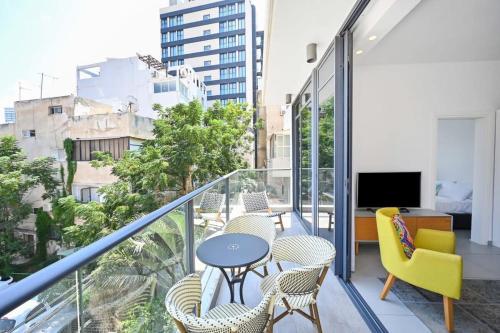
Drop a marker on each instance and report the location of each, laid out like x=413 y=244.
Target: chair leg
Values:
x=448 y=313
x=270 y=324
x=281 y=223
x=316 y=317
x=266 y=273
x=387 y=287
x=329 y=222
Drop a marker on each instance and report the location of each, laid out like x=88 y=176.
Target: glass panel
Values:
x=124 y=289
x=326 y=150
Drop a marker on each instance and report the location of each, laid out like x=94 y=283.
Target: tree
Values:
x=18 y=177
x=198 y=145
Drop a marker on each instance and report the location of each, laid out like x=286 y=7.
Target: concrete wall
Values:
x=455 y=151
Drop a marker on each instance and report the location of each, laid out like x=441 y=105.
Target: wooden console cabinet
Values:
x=366 y=226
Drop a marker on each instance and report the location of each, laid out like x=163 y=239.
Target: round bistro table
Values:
x=231 y=251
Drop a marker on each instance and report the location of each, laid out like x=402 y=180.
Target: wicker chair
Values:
x=211 y=207
x=183 y=303
x=256 y=202
x=298 y=288
x=257 y=225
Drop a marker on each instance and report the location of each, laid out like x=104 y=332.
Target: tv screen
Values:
x=389 y=189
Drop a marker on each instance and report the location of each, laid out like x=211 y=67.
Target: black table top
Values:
x=232 y=250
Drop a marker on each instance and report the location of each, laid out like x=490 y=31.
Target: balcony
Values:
x=118 y=283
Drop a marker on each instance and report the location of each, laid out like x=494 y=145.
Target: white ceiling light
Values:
x=372 y=37
x=359 y=51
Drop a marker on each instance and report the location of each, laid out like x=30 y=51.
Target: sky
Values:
x=54 y=36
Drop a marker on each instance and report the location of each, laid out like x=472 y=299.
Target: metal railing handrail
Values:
x=31 y=286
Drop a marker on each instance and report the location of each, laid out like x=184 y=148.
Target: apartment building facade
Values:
x=135 y=83
x=218 y=39
x=42 y=126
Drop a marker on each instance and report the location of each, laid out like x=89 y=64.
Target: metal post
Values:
x=189 y=220
x=226 y=189
x=314 y=154
x=79 y=299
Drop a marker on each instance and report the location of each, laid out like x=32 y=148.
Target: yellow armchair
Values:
x=433 y=265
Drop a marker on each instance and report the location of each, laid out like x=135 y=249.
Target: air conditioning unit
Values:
x=183 y=72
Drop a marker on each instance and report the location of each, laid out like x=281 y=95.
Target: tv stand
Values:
x=365 y=224
x=402 y=210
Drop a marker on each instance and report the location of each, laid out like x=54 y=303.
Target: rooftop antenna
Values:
x=42 y=74
x=20 y=87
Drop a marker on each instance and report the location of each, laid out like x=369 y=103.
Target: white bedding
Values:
x=447 y=205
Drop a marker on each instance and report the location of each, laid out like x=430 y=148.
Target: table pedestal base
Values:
x=235 y=278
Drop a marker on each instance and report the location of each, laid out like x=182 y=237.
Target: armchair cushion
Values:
x=404 y=235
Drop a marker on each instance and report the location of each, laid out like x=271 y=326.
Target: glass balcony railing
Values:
x=118 y=283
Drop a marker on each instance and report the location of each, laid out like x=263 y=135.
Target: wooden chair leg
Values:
x=281 y=223
x=316 y=317
x=387 y=287
x=448 y=313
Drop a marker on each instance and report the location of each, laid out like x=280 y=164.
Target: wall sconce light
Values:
x=288 y=99
x=311 y=52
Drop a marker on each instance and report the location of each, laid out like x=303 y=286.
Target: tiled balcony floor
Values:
x=337 y=313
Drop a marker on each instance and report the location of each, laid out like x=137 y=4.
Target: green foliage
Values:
x=70 y=166
x=43 y=223
x=150 y=317
x=18 y=177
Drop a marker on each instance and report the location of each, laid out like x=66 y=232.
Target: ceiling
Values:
x=292 y=24
x=430 y=31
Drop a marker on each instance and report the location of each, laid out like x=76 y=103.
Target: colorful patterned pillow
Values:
x=404 y=235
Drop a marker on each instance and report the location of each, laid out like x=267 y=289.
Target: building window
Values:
x=259 y=67
x=280 y=146
x=206 y=17
x=242 y=100
x=258 y=41
x=164 y=23
x=241 y=7
x=177 y=50
x=164 y=38
x=83 y=150
x=241 y=55
x=206 y=32
x=207 y=48
x=227 y=10
x=207 y=78
x=242 y=87
x=228 y=57
x=228 y=88
x=207 y=63
x=180 y=62
x=209 y=92
x=241 y=40
x=242 y=71
x=175 y=20
x=29 y=133
x=88 y=194
x=241 y=23
x=161 y=87
x=55 y=109
x=176 y=35
x=227 y=26
x=231 y=41
x=164 y=53
x=228 y=73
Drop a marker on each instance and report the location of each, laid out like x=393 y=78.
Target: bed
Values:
x=455 y=199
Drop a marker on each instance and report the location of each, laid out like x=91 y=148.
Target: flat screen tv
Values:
x=389 y=189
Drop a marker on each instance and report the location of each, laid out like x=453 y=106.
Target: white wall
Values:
x=395 y=113
x=455 y=150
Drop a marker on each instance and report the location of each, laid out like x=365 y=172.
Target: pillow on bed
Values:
x=455 y=191
x=404 y=235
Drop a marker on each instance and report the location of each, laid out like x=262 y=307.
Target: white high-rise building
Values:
x=219 y=40
x=136 y=83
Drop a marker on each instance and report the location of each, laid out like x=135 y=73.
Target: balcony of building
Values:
x=119 y=282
